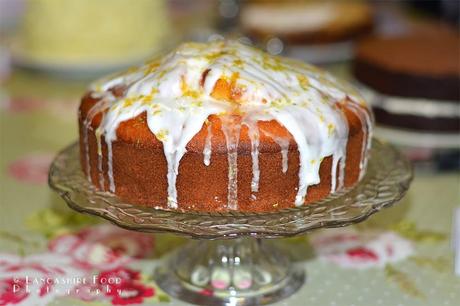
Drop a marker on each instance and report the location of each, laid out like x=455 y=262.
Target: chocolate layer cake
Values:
x=222 y=126
x=416 y=77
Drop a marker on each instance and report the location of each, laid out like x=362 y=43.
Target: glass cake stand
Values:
x=229 y=262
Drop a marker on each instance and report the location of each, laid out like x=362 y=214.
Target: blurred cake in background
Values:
x=79 y=34
x=309 y=23
x=414 y=80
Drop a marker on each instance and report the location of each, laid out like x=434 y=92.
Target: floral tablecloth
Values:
x=50 y=255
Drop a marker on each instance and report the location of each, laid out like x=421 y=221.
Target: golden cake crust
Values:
x=140 y=167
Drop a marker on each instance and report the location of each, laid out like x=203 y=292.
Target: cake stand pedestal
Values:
x=228 y=262
x=242 y=271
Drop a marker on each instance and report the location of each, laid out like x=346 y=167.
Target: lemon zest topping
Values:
x=162 y=135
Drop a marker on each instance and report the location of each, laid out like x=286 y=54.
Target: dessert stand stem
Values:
x=228 y=263
x=242 y=271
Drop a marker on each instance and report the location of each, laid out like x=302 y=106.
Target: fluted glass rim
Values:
x=387 y=179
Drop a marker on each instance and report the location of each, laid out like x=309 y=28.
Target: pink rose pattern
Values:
x=129 y=290
x=349 y=248
x=97 y=254
x=8 y=293
x=103 y=247
x=17 y=275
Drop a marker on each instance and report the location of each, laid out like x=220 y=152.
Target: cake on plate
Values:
x=222 y=126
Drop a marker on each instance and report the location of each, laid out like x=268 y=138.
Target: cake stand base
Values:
x=243 y=271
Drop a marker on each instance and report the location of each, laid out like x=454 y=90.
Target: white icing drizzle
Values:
x=369 y=123
x=338 y=161
x=98 y=135
x=289 y=118
x=110 y=166
x=284 y=156
x=366 y=123
x=342 y=164
x=174 y=127
x=98 y=108
x=86 y=147
x=177 y=95
x=335 y=161
x=343 y=161
x=207 y=146
x=231 y=129
x=284 y=146
x=253 y=132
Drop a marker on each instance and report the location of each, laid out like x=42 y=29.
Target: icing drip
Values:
x=98 y=108
x=338 y=161
x=174 y=125
x=110 y=166
x=290 y=120
x=335 y=162
x=231 y=129
x=207 y=147
x=180 y=91
x=284 y=156
x=179 y=129
x=255 y=163
x=343 y=159
x=284 y=146
x=369 y=123
x=366 y=123
x=86 y=146
x=99 y=158
x=315 y=138
x=253 y=131
x=342 y=171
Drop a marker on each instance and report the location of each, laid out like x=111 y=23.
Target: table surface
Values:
x=400 y=256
